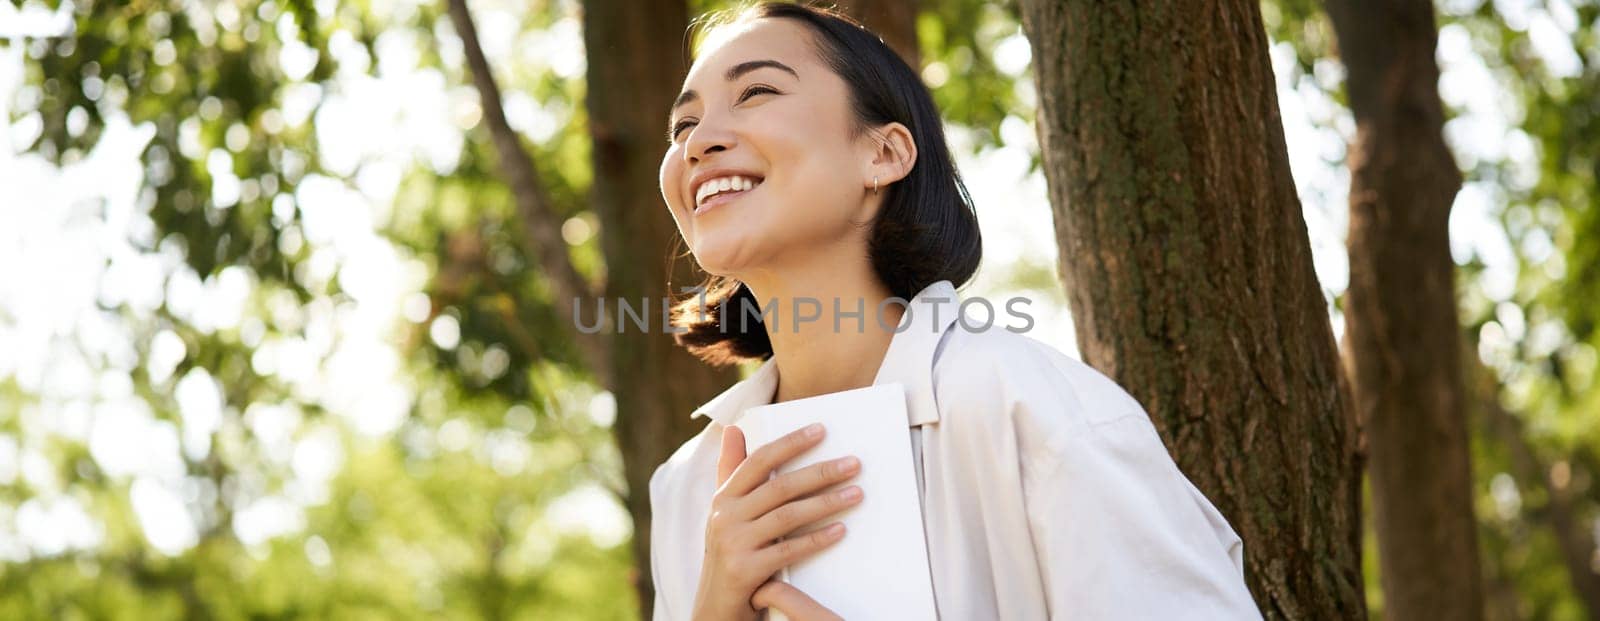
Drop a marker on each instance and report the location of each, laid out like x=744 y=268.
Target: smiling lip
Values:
x=719 y=199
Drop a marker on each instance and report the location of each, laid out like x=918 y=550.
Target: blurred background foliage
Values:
x=271 y=347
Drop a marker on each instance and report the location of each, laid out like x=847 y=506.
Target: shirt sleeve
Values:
x=659 y=609
x=1120 y=532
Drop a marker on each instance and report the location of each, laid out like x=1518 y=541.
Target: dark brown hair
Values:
x=926 y=229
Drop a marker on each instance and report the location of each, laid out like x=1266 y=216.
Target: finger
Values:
x=794 y=549
x=791 y=601
x=791 y=485
x=732 y=453
x=789 y=517
x=755 y=469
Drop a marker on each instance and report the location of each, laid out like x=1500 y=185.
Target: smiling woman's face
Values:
x=761 y=110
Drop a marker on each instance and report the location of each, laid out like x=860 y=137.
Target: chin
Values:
x=719 y=257
x=716 y=267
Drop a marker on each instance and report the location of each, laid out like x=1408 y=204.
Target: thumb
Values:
x=732 y=453
x=790 y=601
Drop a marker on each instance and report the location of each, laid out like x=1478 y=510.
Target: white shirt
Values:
x=1046 y=491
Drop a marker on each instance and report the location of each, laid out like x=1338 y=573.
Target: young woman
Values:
x=807 y=162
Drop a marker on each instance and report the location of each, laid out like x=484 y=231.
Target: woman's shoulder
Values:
x=982 y=376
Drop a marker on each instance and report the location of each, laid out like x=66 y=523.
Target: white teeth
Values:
x=723 y=184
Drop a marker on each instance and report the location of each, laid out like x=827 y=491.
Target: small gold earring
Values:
x=874 y=184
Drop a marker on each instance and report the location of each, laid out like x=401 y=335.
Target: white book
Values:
x=879 y=570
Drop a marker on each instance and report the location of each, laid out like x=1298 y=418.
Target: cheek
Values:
x=817 y=194
x=806 y=212
x=667 y=176
x=670 y=179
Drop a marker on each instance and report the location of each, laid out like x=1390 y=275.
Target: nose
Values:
x=706 y=137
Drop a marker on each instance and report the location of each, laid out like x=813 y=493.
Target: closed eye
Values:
x=678 y=129
x=755 y=89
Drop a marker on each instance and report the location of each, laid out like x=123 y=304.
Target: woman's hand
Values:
x=791 y=602
x=750 y=511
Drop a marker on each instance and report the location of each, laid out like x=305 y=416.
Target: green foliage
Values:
x=959 y=42
x=449 y=515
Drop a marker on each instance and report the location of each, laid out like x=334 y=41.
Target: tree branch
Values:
x=541 y=227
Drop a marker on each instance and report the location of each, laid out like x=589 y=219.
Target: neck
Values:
x=814 y=357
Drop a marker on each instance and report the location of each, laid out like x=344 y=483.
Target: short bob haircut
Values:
x=926 y=229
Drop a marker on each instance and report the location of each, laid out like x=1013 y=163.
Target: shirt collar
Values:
x=909 y=361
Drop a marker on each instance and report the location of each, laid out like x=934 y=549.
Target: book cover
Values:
x=879 y=570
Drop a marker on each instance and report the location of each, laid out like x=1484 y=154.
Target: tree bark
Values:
x=1403 y=341
x=894 y=20
x=1185 y=258
x=635 y=66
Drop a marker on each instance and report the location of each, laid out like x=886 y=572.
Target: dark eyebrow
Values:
x=733 y=73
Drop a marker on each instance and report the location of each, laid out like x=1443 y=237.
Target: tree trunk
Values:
x=1403 y=340
x=894 y=20
x=635 y=67
x=1185 y=258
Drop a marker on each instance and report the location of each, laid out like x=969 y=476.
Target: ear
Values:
x=894 y=153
